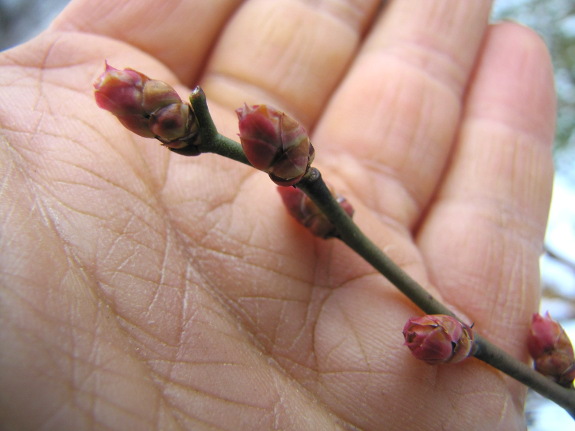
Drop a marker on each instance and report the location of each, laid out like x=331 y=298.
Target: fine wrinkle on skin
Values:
x=356 y=14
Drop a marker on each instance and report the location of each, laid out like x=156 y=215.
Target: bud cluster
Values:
x=438 y=339
x=307 y=213
x=275 y=143
x=551 y=350
x=147 y=107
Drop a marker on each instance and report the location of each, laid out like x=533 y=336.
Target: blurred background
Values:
x=21 y=20
x=554 y=20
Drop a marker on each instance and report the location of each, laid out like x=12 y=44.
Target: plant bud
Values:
x=438 y=339
x=551 y=349
x=147 y=107
x=275 y=143
x=120 y=91
x=157 y=94
x=306 y=212
x=171 y=124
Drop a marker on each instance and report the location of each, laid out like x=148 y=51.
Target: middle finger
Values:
x=289 y=53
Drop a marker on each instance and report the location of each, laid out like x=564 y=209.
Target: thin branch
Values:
x=315 y=188
x=210 y=140
x=503 y=361
x=313 y=185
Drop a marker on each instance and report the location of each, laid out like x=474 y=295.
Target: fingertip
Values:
x=513 y=82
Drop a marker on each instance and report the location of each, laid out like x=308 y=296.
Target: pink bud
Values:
x=147 y=107
x=120 y=91
x=306 y=212
x=438 y=338
x=551 y=349
x=546 y=335
x=275 y=143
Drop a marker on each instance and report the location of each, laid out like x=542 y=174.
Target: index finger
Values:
x=178 y=33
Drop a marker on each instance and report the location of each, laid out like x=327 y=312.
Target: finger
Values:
x=483 y=235
x=397 y=111
x=178 y=33
x=288 y=53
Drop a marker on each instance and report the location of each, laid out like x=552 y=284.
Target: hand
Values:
x=146 y=290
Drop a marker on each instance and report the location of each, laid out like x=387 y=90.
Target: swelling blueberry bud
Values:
x=157 y=94
x=275 y=143
x=120 y=91
x=148 y=107
x=551 y=349
x=171 y=124
x=438 y=339
x=306 y=212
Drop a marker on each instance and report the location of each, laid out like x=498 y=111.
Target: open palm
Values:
x=145 y=290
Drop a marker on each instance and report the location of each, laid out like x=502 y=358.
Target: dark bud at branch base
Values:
x=551 y=350
x=438 y=339
x=171 y=125
x=302 y=208
x=275 y=143
x=147 y=107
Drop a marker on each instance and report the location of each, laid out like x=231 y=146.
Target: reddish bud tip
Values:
x=551 y=349
x=275 y=143
x=546 y=335
x=438 y=339
x=302 y=208
x=120 y=91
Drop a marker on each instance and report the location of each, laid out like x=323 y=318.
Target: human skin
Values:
x=140 y=289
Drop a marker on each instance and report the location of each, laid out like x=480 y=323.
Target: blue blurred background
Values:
x=20 y=20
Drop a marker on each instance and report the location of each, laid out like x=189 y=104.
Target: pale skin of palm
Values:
x=145 y=290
